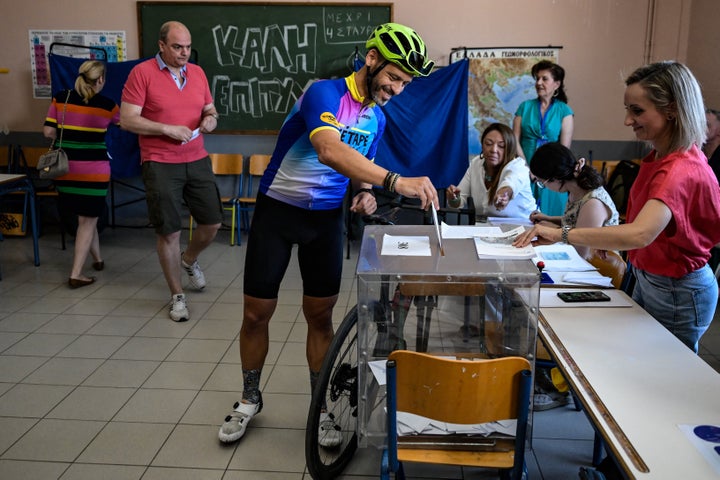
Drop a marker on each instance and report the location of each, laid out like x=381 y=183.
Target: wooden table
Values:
x=637 y=383
x=11 y=183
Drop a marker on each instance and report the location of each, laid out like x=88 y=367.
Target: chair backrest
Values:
x=458 y=391
x=258 y=163
x=613 y=266
x=255 y=169
x=227 y=163
x=619 y=183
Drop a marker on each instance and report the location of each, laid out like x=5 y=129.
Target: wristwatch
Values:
x=564 y=236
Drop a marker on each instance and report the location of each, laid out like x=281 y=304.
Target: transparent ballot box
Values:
x=448 y=303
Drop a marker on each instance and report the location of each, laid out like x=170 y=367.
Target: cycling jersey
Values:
x=295 y=175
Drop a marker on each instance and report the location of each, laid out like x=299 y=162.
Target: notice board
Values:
x=259 y=57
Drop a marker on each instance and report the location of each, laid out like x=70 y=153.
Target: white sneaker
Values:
x=236 y=423
x=196 y=276
x=329 y=433
x=178 y=308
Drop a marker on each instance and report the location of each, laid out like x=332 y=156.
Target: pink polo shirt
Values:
x=155 y=90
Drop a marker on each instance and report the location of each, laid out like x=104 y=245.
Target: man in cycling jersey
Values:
x=329 y=138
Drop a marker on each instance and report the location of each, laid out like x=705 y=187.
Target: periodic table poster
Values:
x=113 y=42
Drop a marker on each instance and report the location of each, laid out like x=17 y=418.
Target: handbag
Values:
x=54 y=163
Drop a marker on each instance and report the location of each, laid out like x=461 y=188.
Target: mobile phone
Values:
x=589 y=296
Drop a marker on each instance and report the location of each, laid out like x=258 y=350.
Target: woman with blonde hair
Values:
x=84 y=116
x=673 y=214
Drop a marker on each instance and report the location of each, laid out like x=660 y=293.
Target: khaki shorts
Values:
x=167 y=185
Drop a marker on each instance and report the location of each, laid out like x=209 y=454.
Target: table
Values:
x=11 y=183
x=637 y=383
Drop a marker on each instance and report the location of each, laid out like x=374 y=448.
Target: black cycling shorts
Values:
x=276 y=227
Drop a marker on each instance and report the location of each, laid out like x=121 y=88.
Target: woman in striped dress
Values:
x=84 y=116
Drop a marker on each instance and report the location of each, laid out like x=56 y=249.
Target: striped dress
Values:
x=84 y=189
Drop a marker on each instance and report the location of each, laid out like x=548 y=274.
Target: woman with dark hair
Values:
x=588 y=204
x=84 y=116
x=498 y=180
x=544 y=119
x=673 y=214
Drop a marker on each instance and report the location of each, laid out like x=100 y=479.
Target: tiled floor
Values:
x=99 y=383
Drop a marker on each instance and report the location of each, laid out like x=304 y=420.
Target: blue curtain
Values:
x=427 y=129
x=122 y=145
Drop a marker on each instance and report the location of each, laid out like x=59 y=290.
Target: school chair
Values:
x=248 y=197
x=461 y=392
x=228 y=165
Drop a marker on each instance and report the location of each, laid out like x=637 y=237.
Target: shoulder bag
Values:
x=54 y=163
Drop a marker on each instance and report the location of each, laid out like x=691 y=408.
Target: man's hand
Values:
x=418 y=187
x=181 y=133
x=208 y=124
x=363 y=203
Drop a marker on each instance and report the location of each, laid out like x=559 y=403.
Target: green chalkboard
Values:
x=259 y=57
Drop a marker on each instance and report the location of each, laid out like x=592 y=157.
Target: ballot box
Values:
x=415 y=295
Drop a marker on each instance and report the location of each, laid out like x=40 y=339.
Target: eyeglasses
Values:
x=418 y=63
x=542 y=183
x=413 y=60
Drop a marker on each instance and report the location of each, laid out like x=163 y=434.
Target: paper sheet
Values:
x=510 y=221
x=706 y=438
x=437 y=229
x=586 y=278
x=195 y=134
x=560 y=257
x=409 y=424
x=411 y=246
x=468 y=231
x=499 y=251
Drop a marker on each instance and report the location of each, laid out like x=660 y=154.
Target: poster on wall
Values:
x=113 y=42
x=499 y=81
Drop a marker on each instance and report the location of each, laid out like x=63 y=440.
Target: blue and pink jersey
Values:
x=295 y=175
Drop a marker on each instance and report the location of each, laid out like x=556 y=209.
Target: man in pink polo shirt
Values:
x=175 y=165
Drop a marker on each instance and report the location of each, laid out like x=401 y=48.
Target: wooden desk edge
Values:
x=565 y=363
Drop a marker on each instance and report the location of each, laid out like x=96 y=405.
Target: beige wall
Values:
x=602 y=40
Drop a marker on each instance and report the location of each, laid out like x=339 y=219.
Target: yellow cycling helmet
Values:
x=402 y=46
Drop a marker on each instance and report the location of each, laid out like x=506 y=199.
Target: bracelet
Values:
x=386 y=182
x=390 y=180
x=214 y=115
x=365 y=190
x=564 y=236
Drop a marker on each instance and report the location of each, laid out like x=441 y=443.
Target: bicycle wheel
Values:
x=336 y=388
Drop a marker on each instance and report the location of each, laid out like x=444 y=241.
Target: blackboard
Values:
x=259 y=57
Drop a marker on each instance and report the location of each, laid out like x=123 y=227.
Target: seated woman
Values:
x=588 y=205
x=498 y=179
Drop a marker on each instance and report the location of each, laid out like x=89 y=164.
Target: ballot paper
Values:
x=437 y=229
x=402 y=245
x=468 y=231
x=510 y=221
x=195 y=134
x=560 y=257
x=492 y=248
x=593 y=278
